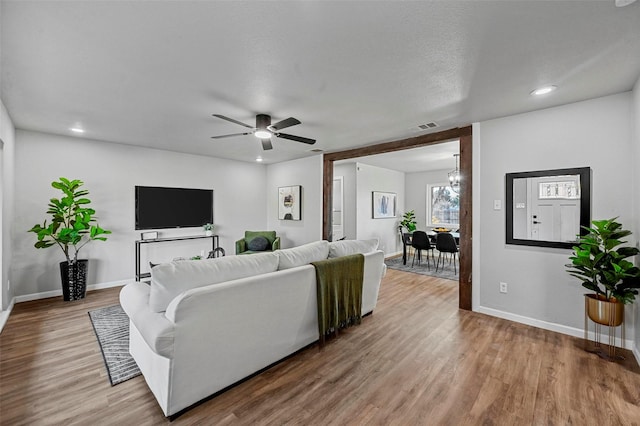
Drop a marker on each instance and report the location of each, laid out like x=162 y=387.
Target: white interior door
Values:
x=337 y=218
x=555 y=208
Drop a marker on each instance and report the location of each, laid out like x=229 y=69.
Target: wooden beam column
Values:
x=466 y=202
x=465 y=137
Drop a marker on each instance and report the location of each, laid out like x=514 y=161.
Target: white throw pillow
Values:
x=170 y=279
x=347 y=247
x=303 y=255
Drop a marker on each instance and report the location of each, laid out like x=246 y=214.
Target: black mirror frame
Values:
x=585 y=204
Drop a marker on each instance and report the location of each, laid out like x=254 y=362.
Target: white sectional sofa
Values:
x=203 y=325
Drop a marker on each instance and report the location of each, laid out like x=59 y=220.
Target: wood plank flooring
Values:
x=418 y=360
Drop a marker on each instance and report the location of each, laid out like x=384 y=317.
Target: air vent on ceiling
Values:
x=317 y=150
x=428 y=126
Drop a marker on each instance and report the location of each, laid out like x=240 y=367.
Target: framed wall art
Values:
x=290 y=202
x=384 y=205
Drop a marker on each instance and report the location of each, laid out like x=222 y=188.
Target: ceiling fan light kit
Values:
x=623 y=3
x=544 y=90
x=262 y=134
x=264 y=130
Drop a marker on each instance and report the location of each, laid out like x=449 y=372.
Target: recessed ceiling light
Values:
x=544 y=90
x=76 y=130
x=259 y=159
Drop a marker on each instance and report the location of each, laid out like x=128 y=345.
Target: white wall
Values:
x=7 y=135
x=110 y=172
x=306 y=172
x=636 y=198
x=594 y=133
x=348 y=172
x=369 y=179
x=416 y=193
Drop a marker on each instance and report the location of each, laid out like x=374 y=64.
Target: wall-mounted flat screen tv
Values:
x=161 y=208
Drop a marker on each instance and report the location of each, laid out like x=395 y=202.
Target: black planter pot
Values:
x=74 y=279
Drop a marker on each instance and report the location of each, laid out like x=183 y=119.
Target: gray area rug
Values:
x=446 y=272
x=111 y=325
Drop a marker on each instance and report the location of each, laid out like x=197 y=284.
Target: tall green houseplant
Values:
x=409 y=220
x=72 y=226
x=599 y=262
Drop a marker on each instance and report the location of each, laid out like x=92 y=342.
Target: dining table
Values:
x=432 y=236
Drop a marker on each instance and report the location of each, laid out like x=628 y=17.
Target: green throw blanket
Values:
x=339 y=288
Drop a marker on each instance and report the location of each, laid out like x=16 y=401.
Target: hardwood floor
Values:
x=418 y=360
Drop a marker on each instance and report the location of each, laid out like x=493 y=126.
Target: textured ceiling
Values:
x=355 y=73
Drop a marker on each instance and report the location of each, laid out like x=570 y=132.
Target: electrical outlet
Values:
x=503 y=287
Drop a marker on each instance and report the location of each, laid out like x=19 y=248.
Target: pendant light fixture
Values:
x=454 y=176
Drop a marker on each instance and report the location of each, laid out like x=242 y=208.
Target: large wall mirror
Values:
x=548 y=208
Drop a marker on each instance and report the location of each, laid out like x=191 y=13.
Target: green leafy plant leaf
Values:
x=600 y=263
x=409 y=220
x=71 y=220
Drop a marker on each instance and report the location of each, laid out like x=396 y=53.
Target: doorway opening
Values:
x=464 y=135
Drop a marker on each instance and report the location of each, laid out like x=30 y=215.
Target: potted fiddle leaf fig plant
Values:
x=72 y=226
x=409 y=220
x=600 y=262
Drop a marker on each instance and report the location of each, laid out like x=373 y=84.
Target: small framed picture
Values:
x=152 y=235
x=289 y=202
x=384 y=205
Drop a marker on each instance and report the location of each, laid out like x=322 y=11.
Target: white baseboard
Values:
x=388 y=255
x=56 y=293
x=558 y=328
x=4 y=315
x=636 y=353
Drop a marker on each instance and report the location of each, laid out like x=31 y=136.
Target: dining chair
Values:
x=445 y=243
x=420 y=241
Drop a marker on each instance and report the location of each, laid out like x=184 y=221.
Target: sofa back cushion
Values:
x=303 y=255
x=347 y=247
x=170 y=279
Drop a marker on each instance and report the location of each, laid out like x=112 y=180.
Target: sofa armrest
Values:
x=374 y=271
x=241 y=246
x=276 y=244
x=156 y=330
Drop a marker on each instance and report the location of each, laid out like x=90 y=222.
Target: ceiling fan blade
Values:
x=296 y=138
x=287 y=122
x=232 y=120
x=228 y=136
x=266 y=144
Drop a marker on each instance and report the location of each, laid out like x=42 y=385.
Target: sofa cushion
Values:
x=258 y=243
x=303 y=255
x=170 y=279
x=347 y=247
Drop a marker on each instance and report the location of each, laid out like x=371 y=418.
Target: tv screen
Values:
x=158 y=208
